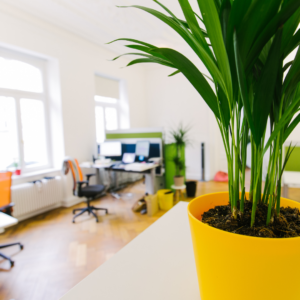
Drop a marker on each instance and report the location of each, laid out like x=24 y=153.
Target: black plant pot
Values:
x=191 y=187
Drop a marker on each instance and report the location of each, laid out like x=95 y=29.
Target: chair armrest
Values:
x=80 y=183
x=79 y=186
x=88 y=176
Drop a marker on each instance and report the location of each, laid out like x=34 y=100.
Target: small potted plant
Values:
x=180 y=140
x=246 y=244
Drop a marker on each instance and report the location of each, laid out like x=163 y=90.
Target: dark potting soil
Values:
x=287 y=224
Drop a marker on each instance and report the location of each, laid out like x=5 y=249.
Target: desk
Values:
x=149 y=173
x=6 y=221
x=157 y=265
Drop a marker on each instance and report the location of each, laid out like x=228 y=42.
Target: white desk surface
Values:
x=145 y=167
x=291 y=178
x=157 y=265
x=6 y=221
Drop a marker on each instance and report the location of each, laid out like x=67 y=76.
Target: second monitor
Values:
x=142 y=149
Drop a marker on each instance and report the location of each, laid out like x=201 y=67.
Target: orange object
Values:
x=76 y=176
x=238 y=267
x=5 y=195
x=221 y=177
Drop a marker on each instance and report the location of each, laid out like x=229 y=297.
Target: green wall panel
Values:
x=141 y=135
x=170 y=170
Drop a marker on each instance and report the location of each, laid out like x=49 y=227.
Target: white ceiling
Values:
x=101 y=21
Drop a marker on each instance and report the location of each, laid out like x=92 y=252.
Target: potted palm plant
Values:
x=248 y=84
x=180 y=140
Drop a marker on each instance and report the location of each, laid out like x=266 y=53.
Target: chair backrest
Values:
x=76 y=173
x=5 y=184
x=293 y=163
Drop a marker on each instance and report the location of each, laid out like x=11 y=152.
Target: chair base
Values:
x=88 y=209
x=12 y=263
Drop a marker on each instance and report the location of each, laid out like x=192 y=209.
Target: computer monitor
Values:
x=111 y=149
x=142 y=149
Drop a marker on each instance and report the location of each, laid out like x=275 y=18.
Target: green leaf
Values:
x=225 y=111
x=279 y=19
x=176 y=72
x=289 y=28
x=214 y=31
x=192 y=21
x=291 y=127
x=145 y=49
x=287 y=65
x=266 y=86
x=293 y=71
x=224 y=17
x=292 y=45
x=243 y=86
x=239 y=9
x=259 y=15
x=284 y=120
x=148 y=60
x=134 y=41
x=151 y=57
x=188 y=69
x=205 y=57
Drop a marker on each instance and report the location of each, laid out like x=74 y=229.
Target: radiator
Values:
x=34 y=198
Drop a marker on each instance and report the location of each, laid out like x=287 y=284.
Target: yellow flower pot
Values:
x=238 y=267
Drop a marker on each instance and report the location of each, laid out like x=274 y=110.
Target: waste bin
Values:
x=152 y=204
x=191 y=187
x=165 y=199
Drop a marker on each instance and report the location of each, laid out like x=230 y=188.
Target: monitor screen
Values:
x=142 y=148
x=111 y=149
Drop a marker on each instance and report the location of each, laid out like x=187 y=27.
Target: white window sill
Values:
x=18 y=179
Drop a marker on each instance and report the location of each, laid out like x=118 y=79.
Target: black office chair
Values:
x=83 y=189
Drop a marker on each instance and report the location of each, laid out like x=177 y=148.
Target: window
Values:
x=23 y=122
x=107 y=106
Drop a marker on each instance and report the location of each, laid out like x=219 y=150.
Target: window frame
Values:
x=40 y=64
x=105 y=105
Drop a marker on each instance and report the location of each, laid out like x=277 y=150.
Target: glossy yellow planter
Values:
x=237 y=267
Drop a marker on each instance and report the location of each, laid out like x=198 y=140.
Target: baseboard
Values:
x=37 y=212
x=71 y=201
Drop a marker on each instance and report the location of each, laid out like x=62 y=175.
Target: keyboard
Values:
x=138 y=166
x=118 y=166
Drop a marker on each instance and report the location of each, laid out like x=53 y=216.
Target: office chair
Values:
x=6 y=207
x=82 y=188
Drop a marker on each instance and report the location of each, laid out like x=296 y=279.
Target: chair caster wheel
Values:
x=12 y=263
x=97 y=220
x=21 y=247
x=73 y=221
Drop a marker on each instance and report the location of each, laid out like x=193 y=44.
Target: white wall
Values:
x=74 y=61
x=171 y=100
x=78 y=61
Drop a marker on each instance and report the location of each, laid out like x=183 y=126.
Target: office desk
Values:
x=157 y=265
x=6 y=221
x=149 y=173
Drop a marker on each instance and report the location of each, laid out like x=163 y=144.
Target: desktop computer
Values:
x=142 y=150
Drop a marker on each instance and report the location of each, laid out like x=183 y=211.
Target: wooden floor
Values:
x=58 y=254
